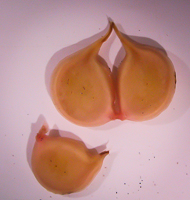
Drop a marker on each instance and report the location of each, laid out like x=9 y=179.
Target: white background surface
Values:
x=148 y=160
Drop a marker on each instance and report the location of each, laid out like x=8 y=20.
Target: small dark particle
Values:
x=150 y=105
x=177 y=163
x=50 y=160
x=186 y=173
x=13 y=155
x=142 y=112
x=50 y=197
x=68 y=81
x=64 y=172
x=124 y=183
x=128 y=193
x=84 y=88
x=116 y=192
x=139 y=153
x=81 y=93
x=69 y=192
x=139 y=30
x=55 y=165
x=154 y=157
x=40 y=137
x=142 y=99
x=140 y=186
x=139 y=182
x=175 y=78
x=149 y=159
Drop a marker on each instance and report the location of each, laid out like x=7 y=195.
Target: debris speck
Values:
x=68 y=81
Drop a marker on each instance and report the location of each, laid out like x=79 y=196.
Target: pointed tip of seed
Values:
x=111 y=22
x=108 y=32
x=104 y=153
x=41 y=134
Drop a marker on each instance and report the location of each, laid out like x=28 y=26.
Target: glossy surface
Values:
x=64 y=165
x=146 y=80
x=82 y=86
x=84 y=90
